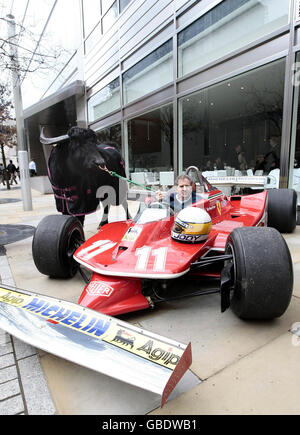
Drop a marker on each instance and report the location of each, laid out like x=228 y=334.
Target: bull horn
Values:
x=52 y=140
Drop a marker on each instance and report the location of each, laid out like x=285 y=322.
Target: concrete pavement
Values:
x=238 y=367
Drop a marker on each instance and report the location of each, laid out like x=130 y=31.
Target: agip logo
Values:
x=99 y=289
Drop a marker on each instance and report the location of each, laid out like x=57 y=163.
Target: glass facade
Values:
x=111 y=134
x=65 y=16
x=110 y=17
x=98 y=17
x=123 y=4
x=230 y=25
x=105 y=5
x=150 y=145
x=91 y=15
x=236 y=124
x=151 y=73
x=105 y=101
x=56 y=50
x=294 y=178
x=93 y=38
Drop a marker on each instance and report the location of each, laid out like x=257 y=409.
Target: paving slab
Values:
x=218 y=339
x=5 y=348
x=7 y=374
x=79 y=391
x=9 y=389
x=6 y=360
x=266 y=381
x=12 y=406
x=35 y=387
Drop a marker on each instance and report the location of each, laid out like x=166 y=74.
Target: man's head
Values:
x=184 y=187
x=273 y=141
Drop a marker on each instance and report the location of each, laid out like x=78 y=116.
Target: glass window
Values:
x=91 y=15
x=93 y=38
x=236 y=124
x=294 y=176
x=106 y=5
x=110 y=17
x=66 y=15
x=154 y=71
x=150 y=146
x=123 y=4
x=105 y=101
x=111 y=134
x=227 y=27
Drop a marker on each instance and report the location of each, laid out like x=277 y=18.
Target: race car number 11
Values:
x=144 y=254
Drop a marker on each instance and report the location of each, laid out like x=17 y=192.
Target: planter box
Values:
x=41 y=184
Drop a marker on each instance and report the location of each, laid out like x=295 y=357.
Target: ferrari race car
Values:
x=157 y=256
x=231 y=245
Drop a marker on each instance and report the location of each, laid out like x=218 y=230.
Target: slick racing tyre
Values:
x=282 y=209
x=55 y=240
x=262 y=273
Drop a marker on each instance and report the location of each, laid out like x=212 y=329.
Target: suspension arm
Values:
x=208 y=261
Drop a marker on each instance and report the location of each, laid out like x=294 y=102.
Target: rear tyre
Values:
x=282 y=209
x=262 y=276
x=55 y=240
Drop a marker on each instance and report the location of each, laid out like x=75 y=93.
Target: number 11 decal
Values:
x=143 y=255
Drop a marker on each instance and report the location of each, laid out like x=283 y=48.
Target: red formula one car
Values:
x=135 y=264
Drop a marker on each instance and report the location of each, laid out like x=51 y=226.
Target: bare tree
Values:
x=35 y=53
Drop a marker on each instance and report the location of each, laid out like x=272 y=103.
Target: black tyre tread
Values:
x=47 y=245
x=282 y=209
x=264 y=273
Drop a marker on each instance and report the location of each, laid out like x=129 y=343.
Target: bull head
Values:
x=83 y=143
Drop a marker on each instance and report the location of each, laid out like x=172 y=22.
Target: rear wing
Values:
x=258 y=181
x=95 y=341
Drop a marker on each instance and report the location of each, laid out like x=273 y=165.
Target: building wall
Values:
x=215 y=47
x=229 y=51
x=129 y=35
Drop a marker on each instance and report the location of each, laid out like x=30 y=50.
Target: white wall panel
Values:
x=160 y=14
x=141 y=20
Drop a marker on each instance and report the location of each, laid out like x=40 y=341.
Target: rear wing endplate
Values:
x=95 y=341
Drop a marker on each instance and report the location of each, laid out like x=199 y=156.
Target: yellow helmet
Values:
x=191 y=225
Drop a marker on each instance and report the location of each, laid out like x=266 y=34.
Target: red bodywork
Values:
x=122 y=254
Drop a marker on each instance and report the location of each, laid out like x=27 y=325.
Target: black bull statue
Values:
x=76 y=170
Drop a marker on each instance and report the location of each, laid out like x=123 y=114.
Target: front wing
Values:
x=94 y=340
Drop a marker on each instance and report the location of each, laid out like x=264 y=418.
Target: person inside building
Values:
x=183 y=196
x=259 y=163
x=32 y=168
x=271 y=159
x=12 y=172
x=241 y=163
x=218 y=165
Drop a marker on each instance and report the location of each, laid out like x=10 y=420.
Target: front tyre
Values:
x=262 y=275
x=55 y=240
